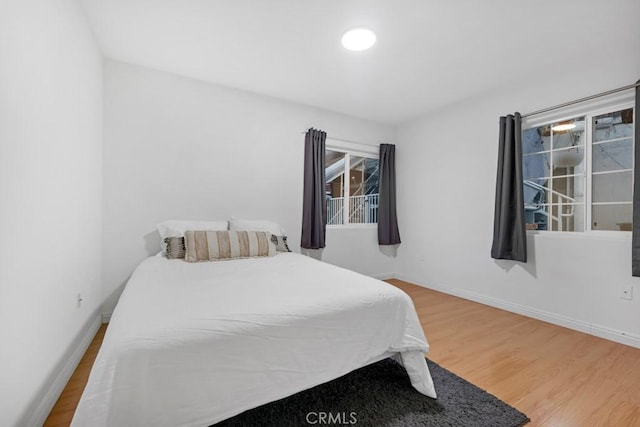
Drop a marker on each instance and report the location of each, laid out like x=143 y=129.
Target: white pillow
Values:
x=256 y=225
x=176 y=228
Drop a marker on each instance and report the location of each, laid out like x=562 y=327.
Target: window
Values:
x=578 y=172
x=351 y=187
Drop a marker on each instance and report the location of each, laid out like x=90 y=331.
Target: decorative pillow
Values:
x=222 y=245
x=281 y=243
x=176 y=228
x=256 y=225
x=175 y=247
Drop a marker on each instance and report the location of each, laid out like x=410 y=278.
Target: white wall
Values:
x=177 y=148
x=50 y=192
x=446 y=177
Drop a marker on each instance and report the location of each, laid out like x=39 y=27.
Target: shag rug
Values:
x=381 y=395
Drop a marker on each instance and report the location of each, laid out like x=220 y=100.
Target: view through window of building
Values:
x=351 y=188
x=578 y=172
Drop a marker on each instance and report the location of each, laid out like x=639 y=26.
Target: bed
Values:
x=191 y=344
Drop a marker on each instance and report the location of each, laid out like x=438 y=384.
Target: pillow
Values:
x=222 y=245
x=176 y=228
x=175 y=247
x=256 y=225
x=281 y=243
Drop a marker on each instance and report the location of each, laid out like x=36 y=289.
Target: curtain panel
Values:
x=388 y=233
x=509 y=234
x=635 y=238
x=314 y=201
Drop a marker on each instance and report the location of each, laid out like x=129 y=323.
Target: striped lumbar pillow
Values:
x=221 y=245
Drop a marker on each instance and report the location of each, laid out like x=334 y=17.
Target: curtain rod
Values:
x=342 y=140
x=586 y=98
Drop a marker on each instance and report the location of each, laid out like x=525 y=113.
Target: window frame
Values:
x=351 y=149
x=589 y=110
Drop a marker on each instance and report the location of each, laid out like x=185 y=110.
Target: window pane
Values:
x=535 y=166
x=332 y=157
x=356 y=176
x=536 y=216
x=566 y=196
x=535 y=194
x=566 y=217
x=568 y=133
x=555 y=217
x=616 y=155
x=612 y=187
x=618 y=124
x=534 y=142
x=612 y=217
x=334 y=186
x=555 y=204
x=558 y=180
x=568 y=189
x=363 y=190
x=569 y=157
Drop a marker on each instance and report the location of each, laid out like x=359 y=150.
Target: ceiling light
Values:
x=563 y=126
x=358 y=39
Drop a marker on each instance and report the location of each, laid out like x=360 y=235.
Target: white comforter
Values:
x=193 y=344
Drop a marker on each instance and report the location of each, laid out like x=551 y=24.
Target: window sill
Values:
x=351 y=226
x=605 y=235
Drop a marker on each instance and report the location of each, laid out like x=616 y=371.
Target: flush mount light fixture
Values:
x=563 y=126
x=358 y=39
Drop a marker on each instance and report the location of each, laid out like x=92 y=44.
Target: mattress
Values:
x=191 y=344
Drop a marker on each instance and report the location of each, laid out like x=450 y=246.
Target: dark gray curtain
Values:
x=509 y=235
x=635 y=239
x=314 y=201
x=388 y=233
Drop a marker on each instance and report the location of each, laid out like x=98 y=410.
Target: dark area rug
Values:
x=381 y=395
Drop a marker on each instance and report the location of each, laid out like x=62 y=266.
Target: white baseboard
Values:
x=616 y=336
x=557 y=319
x=106 y=317
x=54 y=389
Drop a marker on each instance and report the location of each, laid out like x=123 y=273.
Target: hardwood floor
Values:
x=558 y=377
x=63 y=410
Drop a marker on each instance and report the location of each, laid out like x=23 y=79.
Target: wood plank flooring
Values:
x=63 y=410
x=558 y=377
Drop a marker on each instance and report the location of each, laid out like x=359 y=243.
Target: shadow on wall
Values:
x=389 y=250
x=114 y=296
x=312 y=253
x=530 y=266
x=152 y=246
x=152 y=243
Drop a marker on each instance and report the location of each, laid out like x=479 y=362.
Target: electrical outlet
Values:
x=626 y=292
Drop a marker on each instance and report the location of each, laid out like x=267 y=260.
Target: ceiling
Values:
x=428 y=54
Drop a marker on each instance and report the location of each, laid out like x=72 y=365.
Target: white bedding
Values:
x=193 y=344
